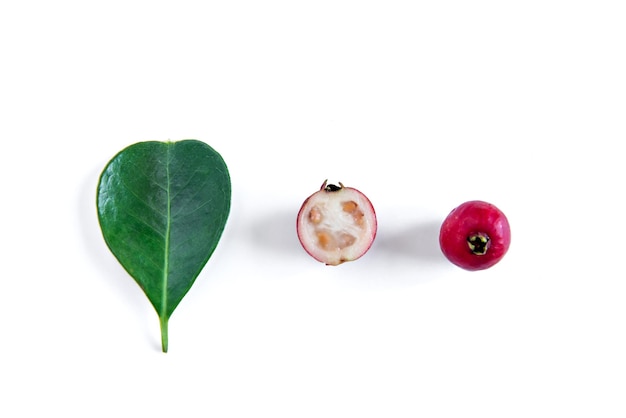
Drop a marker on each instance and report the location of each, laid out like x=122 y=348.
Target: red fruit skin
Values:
x=470 y=218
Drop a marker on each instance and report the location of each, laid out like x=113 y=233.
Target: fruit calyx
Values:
x=478 y=243
x=331 y=187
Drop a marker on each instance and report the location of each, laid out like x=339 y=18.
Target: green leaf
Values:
x=162 y=207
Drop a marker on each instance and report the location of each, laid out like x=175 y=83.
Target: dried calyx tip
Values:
x=478 y=243
x=332 y=187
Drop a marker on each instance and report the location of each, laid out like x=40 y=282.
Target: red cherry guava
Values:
x=475 y=235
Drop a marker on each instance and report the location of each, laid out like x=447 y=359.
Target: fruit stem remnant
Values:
x=478 y=243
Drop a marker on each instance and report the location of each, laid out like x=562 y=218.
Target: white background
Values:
x=421 y=106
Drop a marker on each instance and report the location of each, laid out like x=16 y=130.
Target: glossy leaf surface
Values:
x=162 y=207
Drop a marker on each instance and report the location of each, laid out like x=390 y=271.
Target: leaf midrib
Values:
x=167 y=236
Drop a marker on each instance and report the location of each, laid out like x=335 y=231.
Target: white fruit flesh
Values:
x=337 y=226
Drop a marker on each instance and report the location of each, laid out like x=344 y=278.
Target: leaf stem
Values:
x=163 y=321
